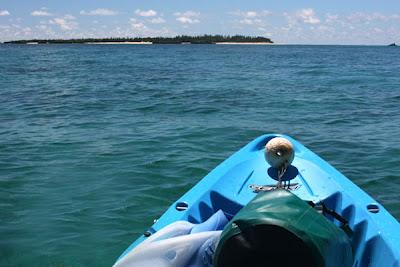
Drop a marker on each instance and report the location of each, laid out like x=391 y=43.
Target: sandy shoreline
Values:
x=136 y=43
x=149 y=43
x=218 y=43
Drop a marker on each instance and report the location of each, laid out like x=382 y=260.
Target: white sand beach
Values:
x=112 y=43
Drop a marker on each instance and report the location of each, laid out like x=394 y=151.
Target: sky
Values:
x=284 y=21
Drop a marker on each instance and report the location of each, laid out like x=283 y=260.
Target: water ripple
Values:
x=97 y=141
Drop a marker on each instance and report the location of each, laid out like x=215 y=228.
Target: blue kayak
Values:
x=220 y=195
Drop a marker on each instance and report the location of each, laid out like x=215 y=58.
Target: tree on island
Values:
x=201 y=39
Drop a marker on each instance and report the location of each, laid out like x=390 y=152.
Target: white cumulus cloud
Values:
x=247 y=21
x=99 y=12
x=158 y=20
x=146 y=13
x=4 y=13
x=66 y=23
x=68 y=16
x=41 y=13
x=308 y=16
x=251 y=13
x=137 y=25
x=188 y=17
x=251 y=17
x=187 y=20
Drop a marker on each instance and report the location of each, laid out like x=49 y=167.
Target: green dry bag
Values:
x=277 y=228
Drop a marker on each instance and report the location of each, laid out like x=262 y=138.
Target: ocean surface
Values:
x=96 y=141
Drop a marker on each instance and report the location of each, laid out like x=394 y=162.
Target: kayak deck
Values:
x=376 y=234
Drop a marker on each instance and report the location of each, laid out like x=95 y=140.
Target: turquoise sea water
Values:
x=96 y=141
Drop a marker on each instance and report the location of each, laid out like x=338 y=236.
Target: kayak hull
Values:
x=376 y=234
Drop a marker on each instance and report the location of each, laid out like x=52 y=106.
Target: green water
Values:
x=97 y=141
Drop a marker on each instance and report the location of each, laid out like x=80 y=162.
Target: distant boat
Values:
x=393 y=44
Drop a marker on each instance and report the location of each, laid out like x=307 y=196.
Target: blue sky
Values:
x=293 y=22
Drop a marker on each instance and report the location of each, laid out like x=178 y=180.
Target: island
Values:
x=393 y=44
x=181 y=39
